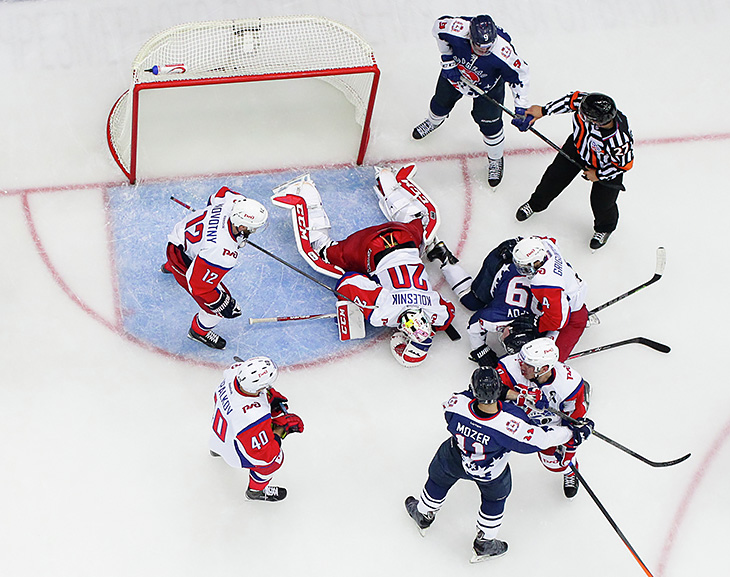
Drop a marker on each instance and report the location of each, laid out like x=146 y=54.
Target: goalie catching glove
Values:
x=289 y=423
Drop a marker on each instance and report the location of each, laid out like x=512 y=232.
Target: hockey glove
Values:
x=450 y=72
x=226 y=306
x=277 y=401
x=565 y=454
x=521 y=121
x=290 y=422
x=531 y=395
x=582 y=429
x=505 y=249
x=485 y=356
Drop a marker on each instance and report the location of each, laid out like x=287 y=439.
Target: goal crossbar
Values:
x=251 y=50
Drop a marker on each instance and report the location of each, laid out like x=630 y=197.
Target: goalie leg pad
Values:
x=350 y=321
x=408 y=353
x=401 y=200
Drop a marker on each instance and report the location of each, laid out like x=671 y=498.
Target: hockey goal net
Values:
x=250 y=50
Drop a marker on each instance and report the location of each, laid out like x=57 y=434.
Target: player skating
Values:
x=484 y=430
x=250 y=420
x=475 y=50
x=602 y=142
x=537 y=380
x=202 y=248
x=379 y=268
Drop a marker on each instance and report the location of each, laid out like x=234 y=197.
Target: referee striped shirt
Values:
x=609 y=150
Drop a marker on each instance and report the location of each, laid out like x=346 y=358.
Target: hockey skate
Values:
x=496 y=171
x=163 y=269
x=487 y=548
x=441 y=252
x=524 y=212
x=570 y=484
x=599 y=239
x=422 y=521
x=424 y=129
x=271 y=494
x=209 y=339
x=213 y=453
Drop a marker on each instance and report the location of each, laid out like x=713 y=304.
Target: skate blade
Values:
x=593 y=320
x=479 y=558
x=294 y=181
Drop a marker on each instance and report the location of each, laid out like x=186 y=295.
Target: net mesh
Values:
x=258 y=47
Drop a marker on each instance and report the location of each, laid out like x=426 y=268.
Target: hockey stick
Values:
x=451 y=332
x=598 y=503
x=619 y=445
x=638 y=340
x=537 y=133
x=296 y=318
x=661 y=262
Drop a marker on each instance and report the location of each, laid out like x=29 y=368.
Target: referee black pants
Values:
x=604 y=193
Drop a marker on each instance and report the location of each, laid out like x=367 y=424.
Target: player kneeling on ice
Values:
x=537 y=382
x=484 y=431
x=526 y=279
x=202 y=248
x=378 y=267
x=251 y=418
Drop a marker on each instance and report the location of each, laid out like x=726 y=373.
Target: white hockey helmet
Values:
x=415 y=324
x=255 y=374
x=529 y=255
x=248 y=214
x=541 y=354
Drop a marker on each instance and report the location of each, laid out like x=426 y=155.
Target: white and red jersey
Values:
x=399 y=282
x=207 y=239
x=564 y=390
x=556 y=289
x=241 y=427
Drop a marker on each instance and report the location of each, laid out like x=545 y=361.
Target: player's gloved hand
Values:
x=450 y=71
x=532 y=395
x=484 y=356
x=290 y=422
x=522 y=120
x=582 y=429
x=565 y=453
x=505 y=249
x=527 y=322
x=277 y=401
x=226 y=306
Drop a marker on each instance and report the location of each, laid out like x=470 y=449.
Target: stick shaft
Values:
x=293 y=318
x=662 y=348
x=613 y=524
x=661 y=261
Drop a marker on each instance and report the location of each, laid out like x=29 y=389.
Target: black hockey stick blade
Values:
x=452 y=333
x=610 y=441
x=237 y=359
x=661 y=262
x=613 y=524
x=662 y=348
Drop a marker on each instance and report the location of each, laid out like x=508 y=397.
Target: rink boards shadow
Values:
x=156 y=310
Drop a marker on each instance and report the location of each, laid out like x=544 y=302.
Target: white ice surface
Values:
x=105 y=468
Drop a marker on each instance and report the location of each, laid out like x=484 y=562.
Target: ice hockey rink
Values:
x=105 y=467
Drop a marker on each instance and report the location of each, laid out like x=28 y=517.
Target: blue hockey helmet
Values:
x=486 y=386
x=482 y=33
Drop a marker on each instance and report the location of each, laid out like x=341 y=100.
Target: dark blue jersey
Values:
x=501 y=64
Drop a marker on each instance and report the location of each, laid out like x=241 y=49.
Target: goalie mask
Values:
x=248 y=215
x=255 y=375
x=415 y=324
x=541 y=354
x=529 y=255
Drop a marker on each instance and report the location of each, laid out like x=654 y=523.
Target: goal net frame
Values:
x=246 y=50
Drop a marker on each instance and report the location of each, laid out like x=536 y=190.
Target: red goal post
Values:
x=249 y=50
